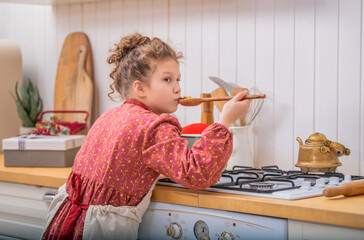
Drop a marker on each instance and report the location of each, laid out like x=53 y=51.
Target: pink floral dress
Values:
x=125 y=151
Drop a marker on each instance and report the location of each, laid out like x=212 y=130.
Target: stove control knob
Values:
x=347 y=178
x=175 y=230
x=299 y=181
x=306 y=185
x=224 y=237
x=320 y=182
x=201 y=230
x=334 y=181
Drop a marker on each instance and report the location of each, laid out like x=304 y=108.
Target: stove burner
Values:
x=261 y=185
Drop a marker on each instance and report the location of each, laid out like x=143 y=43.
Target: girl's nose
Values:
x=177 y=89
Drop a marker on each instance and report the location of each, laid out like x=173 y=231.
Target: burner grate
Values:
x=270 y=181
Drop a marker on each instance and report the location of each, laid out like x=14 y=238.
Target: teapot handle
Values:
x=341 y=149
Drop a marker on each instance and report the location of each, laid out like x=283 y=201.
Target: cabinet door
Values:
x=298 y=230
x=23 y=210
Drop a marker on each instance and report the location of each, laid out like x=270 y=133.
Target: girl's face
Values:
x=163 y=90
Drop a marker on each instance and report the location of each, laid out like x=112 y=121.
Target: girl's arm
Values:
x=167 y=153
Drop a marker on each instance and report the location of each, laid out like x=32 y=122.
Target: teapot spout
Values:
x=299 y=140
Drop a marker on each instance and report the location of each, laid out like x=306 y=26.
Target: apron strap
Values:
x=69 y=223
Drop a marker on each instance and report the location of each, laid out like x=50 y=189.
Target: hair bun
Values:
x=126 y=45
x=130 y=42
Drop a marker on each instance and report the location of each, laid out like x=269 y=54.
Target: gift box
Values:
x=41 y=150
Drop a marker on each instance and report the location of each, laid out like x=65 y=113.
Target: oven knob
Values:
x=299 y=181
x=174 y=230
x=223 y=236
x=320 y=182
x=306 y=185
x=201 y=230
x=347 y=178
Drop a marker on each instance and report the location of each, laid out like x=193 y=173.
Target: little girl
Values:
x=128 y=147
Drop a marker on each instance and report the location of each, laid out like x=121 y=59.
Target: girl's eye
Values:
x=178 y=80
x=167 y=79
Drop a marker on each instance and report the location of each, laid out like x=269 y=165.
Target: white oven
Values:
x=171 y=221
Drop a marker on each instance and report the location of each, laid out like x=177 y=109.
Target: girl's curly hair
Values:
x=135 y=58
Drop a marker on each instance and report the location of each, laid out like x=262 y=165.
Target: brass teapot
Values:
x=319 y=154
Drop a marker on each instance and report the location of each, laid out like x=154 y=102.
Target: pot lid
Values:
x=316 y=137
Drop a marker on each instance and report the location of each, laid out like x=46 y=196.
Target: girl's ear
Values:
x=139 y=88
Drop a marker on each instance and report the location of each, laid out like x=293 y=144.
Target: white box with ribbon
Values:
x=41 y=150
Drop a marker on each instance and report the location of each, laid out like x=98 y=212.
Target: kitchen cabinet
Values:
x=22 y=210
x=300 y=230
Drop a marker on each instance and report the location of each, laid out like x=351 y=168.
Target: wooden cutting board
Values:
x=74 y=80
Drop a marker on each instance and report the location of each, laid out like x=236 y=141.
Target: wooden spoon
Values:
x=190 y=102
x=219 y=92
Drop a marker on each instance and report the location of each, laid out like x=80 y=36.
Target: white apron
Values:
x=106 y=222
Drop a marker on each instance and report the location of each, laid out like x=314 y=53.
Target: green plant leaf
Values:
x=25 y=97
x=16 y=91
x=34 y=100
x=30 y=105
x=22 y=113
x=40 y=107
x=33 y=92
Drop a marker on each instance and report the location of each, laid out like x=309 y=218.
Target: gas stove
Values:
x=272 y=182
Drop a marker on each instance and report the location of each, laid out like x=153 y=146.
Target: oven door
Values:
x=171 y=221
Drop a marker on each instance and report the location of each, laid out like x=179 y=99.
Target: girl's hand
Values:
x=234 y=109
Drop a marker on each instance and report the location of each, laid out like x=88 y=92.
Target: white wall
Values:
x=305 y=54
